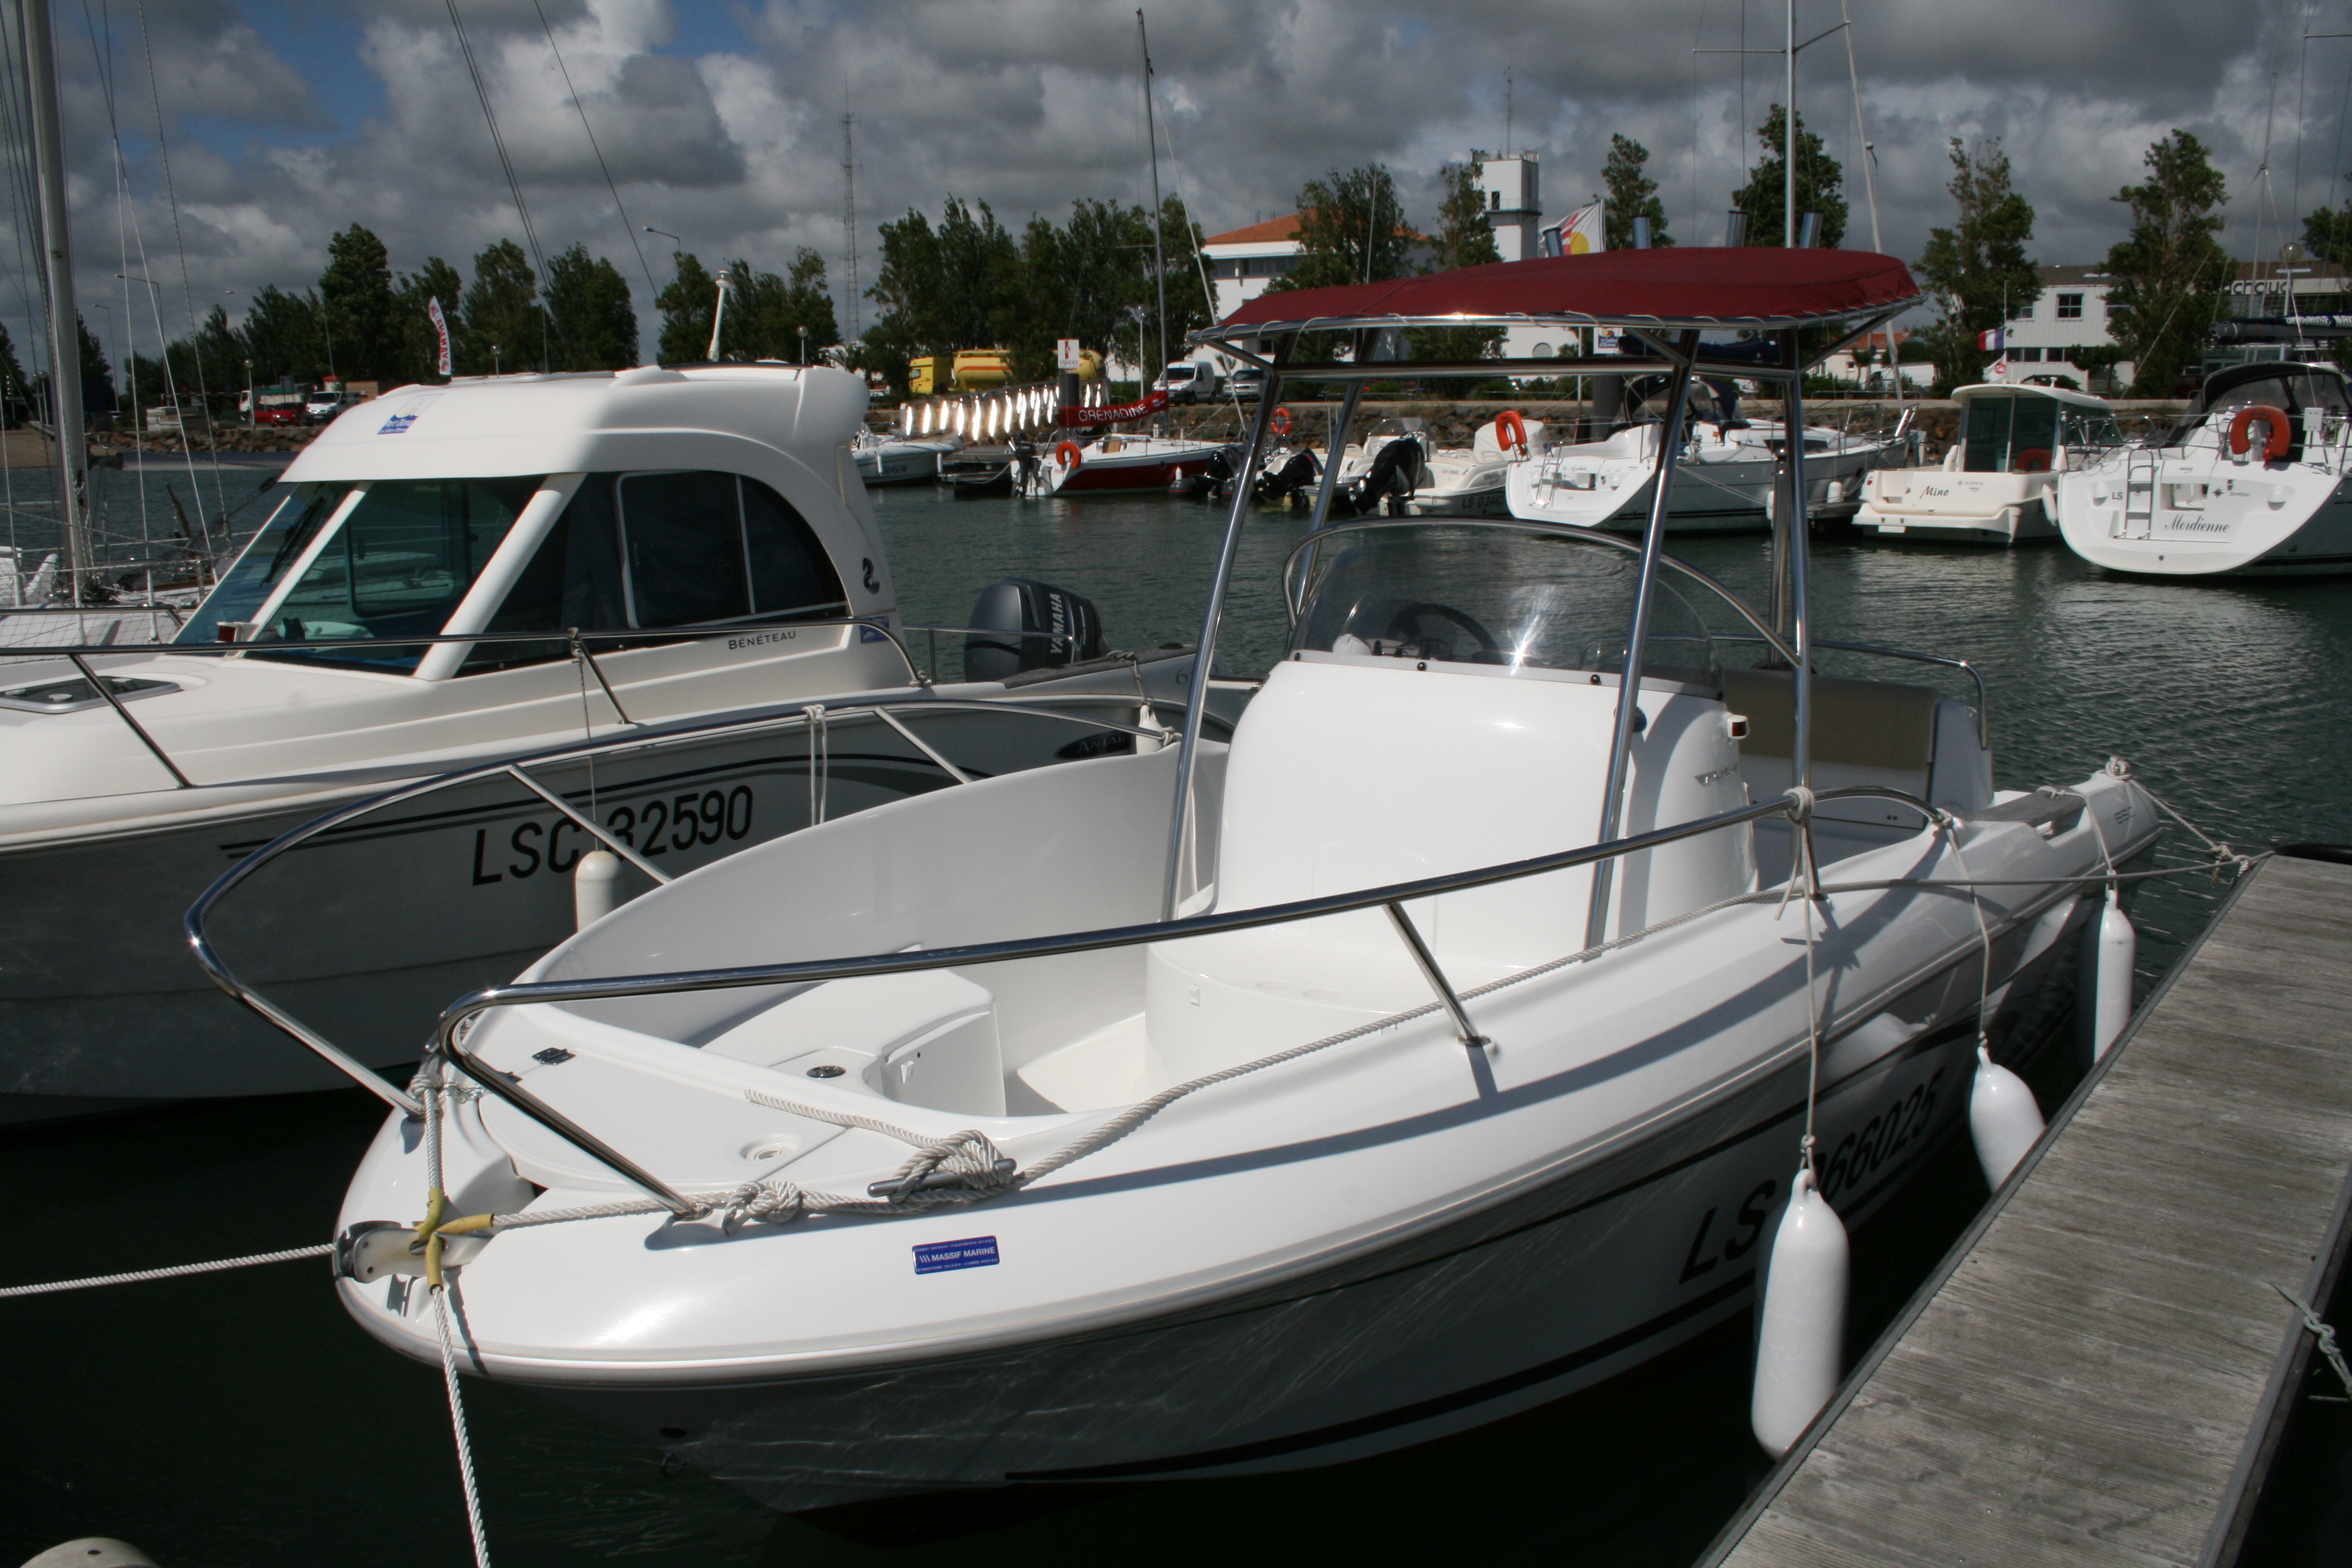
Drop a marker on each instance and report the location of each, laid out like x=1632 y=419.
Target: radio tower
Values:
x=849 y=221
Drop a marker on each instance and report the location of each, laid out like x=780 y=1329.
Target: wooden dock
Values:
x=2100 y=1370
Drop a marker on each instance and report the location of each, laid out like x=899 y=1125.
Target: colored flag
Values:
x=440 y=327
x=1994 y=342
x=1579 y=233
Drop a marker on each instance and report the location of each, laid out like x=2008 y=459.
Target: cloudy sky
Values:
x=286 y=120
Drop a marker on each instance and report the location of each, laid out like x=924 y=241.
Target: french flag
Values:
x=1994 y=342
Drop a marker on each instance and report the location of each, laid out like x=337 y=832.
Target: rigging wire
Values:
x=506 y=163
x=582 y=110
x=103 y=61
x=187 y=289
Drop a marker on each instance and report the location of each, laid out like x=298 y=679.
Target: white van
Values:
x=1189 y=381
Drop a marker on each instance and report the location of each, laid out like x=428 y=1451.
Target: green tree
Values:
x=1100 y=267
x=13 y=392
x=766 y=312
x=1351 y=230
x=959 y=286
x=2327 y=235
x=97 y=375
x=505 y=328
x=362 y=321
x=281 y=334
x=420 y=344
x=1976 y=271
x=686 y=303
x=1464 y=238
x=594 y=319
x=1821 y=185
x=2169 y=272
x=1632 y=194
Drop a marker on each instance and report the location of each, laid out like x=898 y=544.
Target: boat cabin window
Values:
x=399 y=564
x=1467 y=594
x=264 y=562
x=668 y=549
x=2009 y=434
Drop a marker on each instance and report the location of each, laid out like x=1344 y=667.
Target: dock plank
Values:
x=2081 y=1385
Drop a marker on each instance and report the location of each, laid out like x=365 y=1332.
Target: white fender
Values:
x=2003 y=1119
x=2109 y=947
x=596 y=887
x=1801 y=1338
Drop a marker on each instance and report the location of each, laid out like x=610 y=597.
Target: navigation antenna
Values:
x=849 y=221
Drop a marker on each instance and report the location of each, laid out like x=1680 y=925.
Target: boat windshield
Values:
x=2009 y=434
x=398 y=566
x=1462 y=593
x=246 y=586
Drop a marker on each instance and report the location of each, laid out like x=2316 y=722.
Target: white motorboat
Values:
x=1444 y=482
x=2252 y=482
x=1437 y=1049
x=1998 y=483
x=1723 y=479
x=495 y=516
x=900 y=459
x=1113 y=462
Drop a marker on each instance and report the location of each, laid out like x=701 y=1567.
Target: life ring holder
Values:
x=1511 y=430
x=1068 y=455
x=2032 y=460
x=2274 y=444
x=1280 y=424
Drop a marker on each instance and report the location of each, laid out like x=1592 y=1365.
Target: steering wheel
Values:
x=1401 y=627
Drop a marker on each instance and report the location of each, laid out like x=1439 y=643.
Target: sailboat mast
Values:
x=1789 y=136
x=849 y=222
x=56 y=254
x=1159 y=263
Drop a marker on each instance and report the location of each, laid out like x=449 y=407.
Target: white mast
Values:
x=849 y=221
x=56 y=254
x=1788 y=136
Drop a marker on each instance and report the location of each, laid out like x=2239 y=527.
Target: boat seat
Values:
x=1882 y=732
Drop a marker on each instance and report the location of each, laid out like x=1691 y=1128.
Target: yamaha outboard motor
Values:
x=1209 y=480
x=1394 y=475
x=1028 y=625
x=1292 y=479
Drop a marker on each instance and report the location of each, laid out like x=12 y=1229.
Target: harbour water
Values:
x=241 y=1419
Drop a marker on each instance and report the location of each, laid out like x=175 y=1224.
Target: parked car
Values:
x=281 y=407
x=1246 y=384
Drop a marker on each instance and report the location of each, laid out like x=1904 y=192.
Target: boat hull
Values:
x=2283 y=520
x=1516 y=1306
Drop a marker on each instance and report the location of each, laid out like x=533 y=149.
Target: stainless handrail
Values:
x=574 y=638
x=213 y=965
x=449 y=1047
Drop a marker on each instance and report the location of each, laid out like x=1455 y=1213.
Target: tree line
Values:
x=363 y=322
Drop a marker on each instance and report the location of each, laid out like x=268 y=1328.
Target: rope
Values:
x=1949 y=825
x=457 y=1424
x=2320 y=1331
x=820 y=762
x=139 y=1276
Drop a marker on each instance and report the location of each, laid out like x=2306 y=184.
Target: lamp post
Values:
x=494 y=359
x=805 y=359
x=252 y=408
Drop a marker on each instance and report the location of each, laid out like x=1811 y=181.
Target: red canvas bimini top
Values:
x=1682 y=286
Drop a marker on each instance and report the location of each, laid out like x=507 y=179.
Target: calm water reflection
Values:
x=244 y=1420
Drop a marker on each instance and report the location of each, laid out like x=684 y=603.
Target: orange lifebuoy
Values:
x=2032 y=460
x=1068 y=455
x=1282 y=422
x=2274 y=444
x=1510 y=430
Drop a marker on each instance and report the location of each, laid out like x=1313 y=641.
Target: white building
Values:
x=1242 y=261
x=2043 y=335
x=1512 y=184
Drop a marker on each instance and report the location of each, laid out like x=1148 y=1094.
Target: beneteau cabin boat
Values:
x=519 y=509
x=1436 y=1049
x=1999 y=484
x=2253 y=481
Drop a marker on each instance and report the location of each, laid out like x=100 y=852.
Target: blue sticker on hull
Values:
x=938 y=1257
